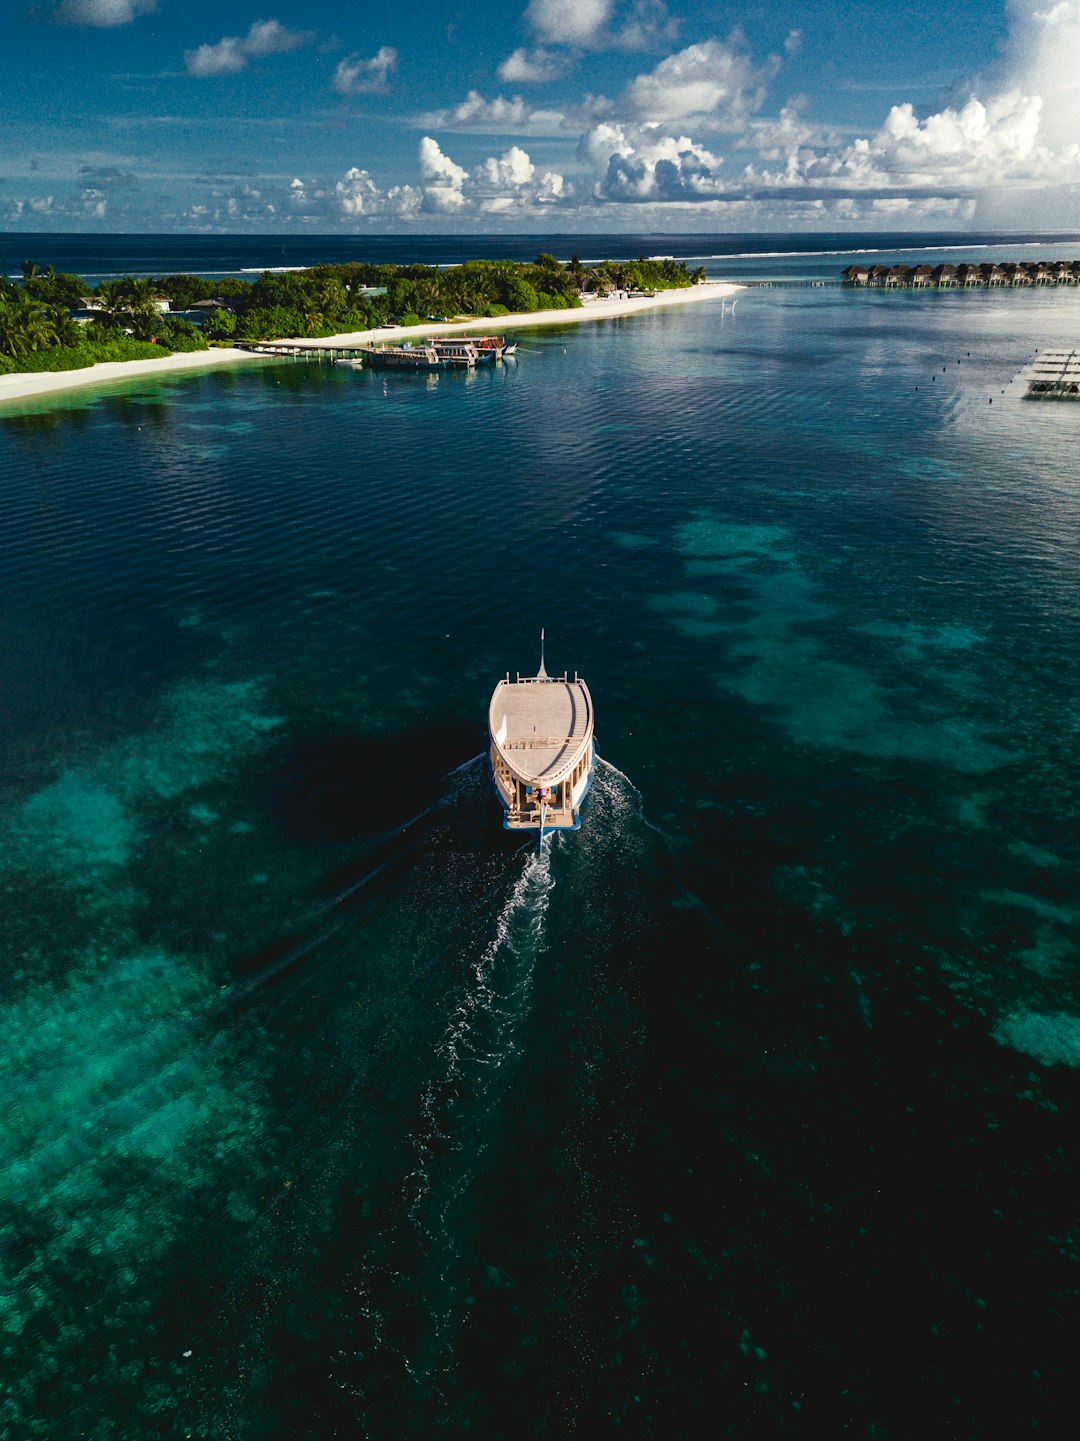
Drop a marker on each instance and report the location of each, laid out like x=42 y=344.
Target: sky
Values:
x=548 y=115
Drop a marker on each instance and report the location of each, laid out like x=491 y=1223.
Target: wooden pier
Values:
x=305 y=350
x=1054 y=375
x=780 y=283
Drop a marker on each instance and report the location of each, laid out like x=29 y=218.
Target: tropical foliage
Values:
x=26 y=325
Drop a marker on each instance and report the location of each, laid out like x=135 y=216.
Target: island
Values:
x=57 y=332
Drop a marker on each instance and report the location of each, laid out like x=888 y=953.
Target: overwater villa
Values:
x=1011 y=273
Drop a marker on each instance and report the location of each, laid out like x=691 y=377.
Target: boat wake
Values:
x=458 y=1109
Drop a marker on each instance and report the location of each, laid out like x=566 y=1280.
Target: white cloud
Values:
x=356 y=76
x=510 y=172
x=102 y=13
x=499 y=184
x=715 y=80
x=438 y=168
x=1042 y=57
x=357 y=193
x=954 y=154
x=224 y=58
x=569 y=22
x=94 y=202
x=647 y=148
x=232 y=52
x=643 y=163
x=498 y=116
x=531 y=67
x=33 y=205
x=598 y=25
x=269 y=37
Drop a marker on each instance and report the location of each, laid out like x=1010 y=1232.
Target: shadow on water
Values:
x=348 y=787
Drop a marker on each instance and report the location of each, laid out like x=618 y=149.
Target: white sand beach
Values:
x=43 y=383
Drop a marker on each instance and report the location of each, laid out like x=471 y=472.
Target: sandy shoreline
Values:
x=43 y=383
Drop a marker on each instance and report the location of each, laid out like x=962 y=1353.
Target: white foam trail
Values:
x=478 y=1040
x=502 y=975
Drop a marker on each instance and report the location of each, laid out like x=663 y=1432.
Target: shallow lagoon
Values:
x=329 y=1108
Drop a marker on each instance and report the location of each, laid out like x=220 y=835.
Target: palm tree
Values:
x=26 y=326
x=129 y=305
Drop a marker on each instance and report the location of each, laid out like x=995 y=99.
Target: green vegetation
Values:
x=37 y=332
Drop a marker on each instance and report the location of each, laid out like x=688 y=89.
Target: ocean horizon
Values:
x=333 y=1109
x=105 y=256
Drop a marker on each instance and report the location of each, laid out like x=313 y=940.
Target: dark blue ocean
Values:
x=330 y=1109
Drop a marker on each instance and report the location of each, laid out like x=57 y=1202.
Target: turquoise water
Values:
x=329 y=1109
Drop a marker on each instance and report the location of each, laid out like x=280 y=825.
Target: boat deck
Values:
x=540 y=726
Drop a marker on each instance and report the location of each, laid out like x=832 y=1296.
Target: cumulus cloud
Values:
x=102 y=13
x=953 y=154
x=502 y=184
x=569 y=22
x=357 y=193
x=357 y=76
x=648 y=147
x=33 y=206
x=714 y=81
x=598 y=24
x=93 y=202
x=498 y=116
x=643 y=163
x=532 y=67
x=974 y=147
x=232 y=53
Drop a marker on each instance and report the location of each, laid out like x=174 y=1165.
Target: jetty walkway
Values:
x=315 y=349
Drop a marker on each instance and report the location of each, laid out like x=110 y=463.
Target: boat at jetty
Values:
x=480 y=348
x=542 y=749
x=404 y=357
x=493 y=345
x=460 y=352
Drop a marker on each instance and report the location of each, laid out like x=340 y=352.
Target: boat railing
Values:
x=543 y=679
x=537 y=743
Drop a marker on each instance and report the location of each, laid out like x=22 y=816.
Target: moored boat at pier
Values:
x=458 y=352
x=404 y=357
x=542 y=749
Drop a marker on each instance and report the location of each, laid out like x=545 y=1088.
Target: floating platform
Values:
x=1054 y=375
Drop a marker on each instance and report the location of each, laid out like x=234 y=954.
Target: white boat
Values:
x=542 y=749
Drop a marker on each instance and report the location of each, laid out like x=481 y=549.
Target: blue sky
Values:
x=576 y=115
